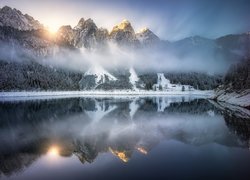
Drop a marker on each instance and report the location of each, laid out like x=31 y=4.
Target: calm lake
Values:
x=123 y=138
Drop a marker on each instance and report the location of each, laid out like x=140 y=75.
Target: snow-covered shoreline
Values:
x=63 y=94
x=235 y=98
x=231 y=108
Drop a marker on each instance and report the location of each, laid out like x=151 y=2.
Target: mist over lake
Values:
x=126 y=89
x=87 y=137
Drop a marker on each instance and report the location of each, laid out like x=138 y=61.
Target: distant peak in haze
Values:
x=146 y=36
x=14 y=18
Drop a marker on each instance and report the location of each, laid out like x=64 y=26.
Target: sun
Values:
x=52 y=26
x=53 y=29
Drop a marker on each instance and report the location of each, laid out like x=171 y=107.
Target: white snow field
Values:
x=5 y=96
x=100 y=74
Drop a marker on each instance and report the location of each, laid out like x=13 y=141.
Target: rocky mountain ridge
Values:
x=22 y=37
x=14 y=18
x=87 y=35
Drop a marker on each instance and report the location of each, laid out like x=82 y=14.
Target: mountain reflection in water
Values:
x=89 y=127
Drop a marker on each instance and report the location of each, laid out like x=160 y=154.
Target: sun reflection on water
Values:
x=53 y=151
x=142 y=150
x=120 y=154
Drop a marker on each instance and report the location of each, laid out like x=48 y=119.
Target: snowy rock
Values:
x=80 y=24
x=100 y=74
x=101 y=36
x=23 y=34
x=236 y=86
x=34 y=43
x=124 y=34
x=14 y=18
x=85 y=34
x=65 y=35
x=147 y=37
x=240 y=98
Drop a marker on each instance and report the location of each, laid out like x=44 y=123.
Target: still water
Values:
x=123 y=138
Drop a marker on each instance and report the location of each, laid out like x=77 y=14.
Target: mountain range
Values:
x=23 y=37
x=84 y=34
x=87 y=34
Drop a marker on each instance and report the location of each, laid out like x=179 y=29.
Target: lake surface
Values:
x=123 y=138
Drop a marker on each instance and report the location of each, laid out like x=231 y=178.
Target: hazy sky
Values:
x=169 y=19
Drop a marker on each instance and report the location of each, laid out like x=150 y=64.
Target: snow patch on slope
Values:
x=161 y=80
x=100 y=73
x=133 y=78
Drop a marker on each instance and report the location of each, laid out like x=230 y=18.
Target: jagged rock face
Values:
x=80 y=24
x=124 y=34
x=23 y=31
x=14 y=18
x=124 y=26
x=102 y=36
x=85 y=34
x=38 y=45
x=35 y=42
x=147 y=37
x=65 y=36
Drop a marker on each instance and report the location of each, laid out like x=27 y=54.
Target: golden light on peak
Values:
x=53 y=151
x=143 y=30
x=142 y=150
x=125 y=21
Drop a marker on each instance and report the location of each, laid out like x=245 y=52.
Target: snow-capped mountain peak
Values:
x=80 y=24
x=85 y=34
x=124 y=34
x=85 y=24
x=14 y=18
x=125 y=25
x=146 y=36
x=143 y=30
